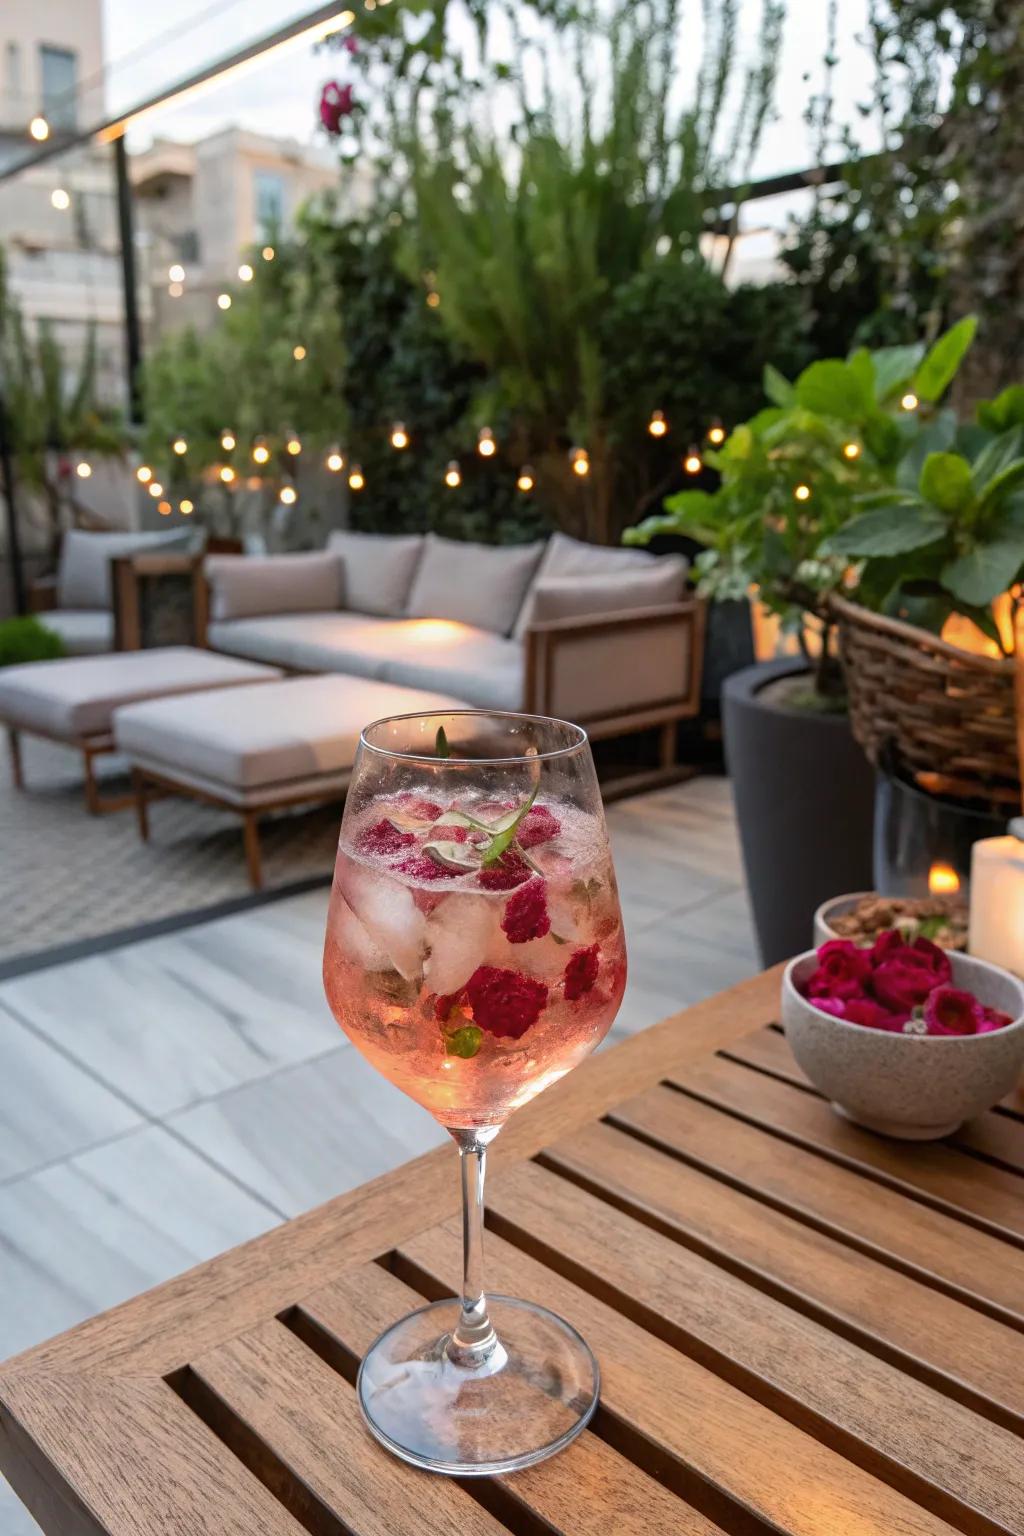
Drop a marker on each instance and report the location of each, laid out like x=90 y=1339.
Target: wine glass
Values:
x=474 y=954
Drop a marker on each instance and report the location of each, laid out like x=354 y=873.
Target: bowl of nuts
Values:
x=862 y=916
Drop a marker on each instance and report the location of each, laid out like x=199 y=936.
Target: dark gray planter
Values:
x=804 y=798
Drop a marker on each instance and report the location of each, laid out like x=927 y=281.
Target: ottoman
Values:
x=73 y=700
x=284 y=744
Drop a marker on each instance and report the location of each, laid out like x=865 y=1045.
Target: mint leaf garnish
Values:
x=441 y=746
x=464 y=1042
x=502 y=841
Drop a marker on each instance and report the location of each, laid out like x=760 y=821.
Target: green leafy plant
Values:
x=855 y=479
x=25 y=639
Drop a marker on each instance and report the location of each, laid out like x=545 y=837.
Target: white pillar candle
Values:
x=997 y=901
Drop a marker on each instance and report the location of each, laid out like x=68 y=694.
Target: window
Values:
x=59 y=72
x=268 y=189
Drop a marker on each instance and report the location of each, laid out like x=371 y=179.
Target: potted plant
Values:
x=842 y=441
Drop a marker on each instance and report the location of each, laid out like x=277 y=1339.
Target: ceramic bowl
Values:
x=834 y=907
x=917 y=1087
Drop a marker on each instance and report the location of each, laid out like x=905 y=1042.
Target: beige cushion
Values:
x=565 y=557
x=592 y=677
x=482 y=585
x=379 y=569
x=565 y=597
x=297 y=729
x=77 y=696
x=83 y=573
x=242 y=586
x=84 y=631
x=478 y=667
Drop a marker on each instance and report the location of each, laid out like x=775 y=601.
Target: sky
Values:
x=147 y=46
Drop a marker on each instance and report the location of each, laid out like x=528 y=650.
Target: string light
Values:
x=39 y=128
x=399 y=436
x=60 y=198
x=180 y=446
x=299 y=352
x=801 y=492
x=245 y=273
x=223 y=301
x=268 y=253
x=657 y=426
x=293 y=444
x=83 y=469
x=164 y=508
x=356 y=479
x=155 y=489
x=526 y=481
x=580 y=462
x=486 y=447
x=227 y=440
x=288 y=495
x=186 y=508
x=335 y=460
x=176 y=274
x=227 y=474
x=693 y=463
x=175 y=290
x=851 y=450
x=716 y=433
x=433 y=299
x=260 y=451
x=910 y=402
x=453 y=475
x=143 y=474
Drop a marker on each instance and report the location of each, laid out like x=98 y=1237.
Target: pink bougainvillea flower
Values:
x=336 y=103
x=992 y=1018
x=903 y=982
x=885 y=945
x=833 y=1005
x=864 y=1010
x=949 y=1011
x=936 y=960
x=842 y=970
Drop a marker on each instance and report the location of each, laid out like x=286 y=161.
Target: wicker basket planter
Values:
x=946 y=715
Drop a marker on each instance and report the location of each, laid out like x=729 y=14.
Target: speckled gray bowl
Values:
x=917 y=1087
x=836 y=906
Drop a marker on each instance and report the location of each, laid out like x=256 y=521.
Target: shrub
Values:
x=27 y=640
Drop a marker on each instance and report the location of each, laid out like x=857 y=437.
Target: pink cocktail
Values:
x=474 y=954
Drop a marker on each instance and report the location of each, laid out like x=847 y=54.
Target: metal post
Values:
x=13 y=536
x=132 y=326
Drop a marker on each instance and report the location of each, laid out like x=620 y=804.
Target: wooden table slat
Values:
x=968 y=1353
x=950 y=1180
x=782 y=1474
x=978 y=1268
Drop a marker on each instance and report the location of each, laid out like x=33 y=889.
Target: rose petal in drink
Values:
x=353 y=940
x=459 y=935
x=389 y=914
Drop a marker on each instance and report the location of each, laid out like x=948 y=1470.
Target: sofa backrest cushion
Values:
x=379 y=569
x=573 y=597
x=250 y=586
x=83 y=572
x=566 y=557
x=478 y=584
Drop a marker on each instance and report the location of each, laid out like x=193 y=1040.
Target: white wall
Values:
x=76 y=25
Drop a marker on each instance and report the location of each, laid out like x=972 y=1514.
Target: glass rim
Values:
x=569 y=750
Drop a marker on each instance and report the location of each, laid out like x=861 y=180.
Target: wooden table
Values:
x=802 y=1327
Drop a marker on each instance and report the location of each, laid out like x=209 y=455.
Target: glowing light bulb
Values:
x=288 y=494
x=293 y=444
x=299 y=352
x=223 y=301
x=175 y=290
x=335 y=460
x=716 y=434
x=143 y=474
x=39 y=128
x=268 y=253
x=60 y=198
x=910 y=402
x=433 y=299
x=453 y=475
x=851 y=450
x=260 y=451
x=83 y=470
x=693 y=463
x=245 y=273
x=227 y=474
x=227 y=440
x=180 y=446
x=164 y=508
x=657 y=426
x=399 y=436
x=526 y=481
x=801 y=492
x=176 y=274
x=356 y=479
x=486 y=447
x=155 y=489
x=186 y=507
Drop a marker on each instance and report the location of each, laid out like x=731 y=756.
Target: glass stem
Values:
x=474 y=1339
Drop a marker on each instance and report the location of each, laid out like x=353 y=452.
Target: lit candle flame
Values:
x=943 y=880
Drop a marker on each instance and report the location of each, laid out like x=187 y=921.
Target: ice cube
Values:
x=388 y=913
x=460 y=934
x=353 y=940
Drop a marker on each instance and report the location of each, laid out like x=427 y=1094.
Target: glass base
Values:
x=528 y=1399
